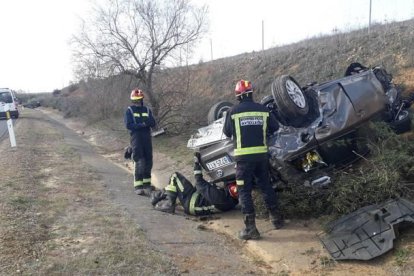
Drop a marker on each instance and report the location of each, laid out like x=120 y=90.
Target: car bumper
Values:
x=13 y=114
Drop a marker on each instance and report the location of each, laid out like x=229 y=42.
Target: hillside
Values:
x=186 y=93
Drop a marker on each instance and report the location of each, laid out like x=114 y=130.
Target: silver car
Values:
x=318 y=126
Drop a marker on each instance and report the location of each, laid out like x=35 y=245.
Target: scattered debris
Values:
x=368 y=232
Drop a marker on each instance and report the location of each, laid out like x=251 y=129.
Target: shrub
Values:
x=387 y=173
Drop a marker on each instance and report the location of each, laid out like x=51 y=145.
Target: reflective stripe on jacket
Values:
x=249 y=123
x=139 y=119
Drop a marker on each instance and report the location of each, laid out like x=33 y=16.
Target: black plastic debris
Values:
x=368 y=232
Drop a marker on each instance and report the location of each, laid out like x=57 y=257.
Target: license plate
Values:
x=218 y=163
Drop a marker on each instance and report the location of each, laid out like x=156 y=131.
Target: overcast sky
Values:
x=35 y=54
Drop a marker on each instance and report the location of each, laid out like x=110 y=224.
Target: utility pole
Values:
x=186 y=56
x=370 y=9
x=211 y=48
x=262 y=35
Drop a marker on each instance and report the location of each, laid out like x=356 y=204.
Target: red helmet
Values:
x=243 y=87
x=137 y=94
x=233 y=190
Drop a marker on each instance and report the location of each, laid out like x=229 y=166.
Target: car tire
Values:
x=402 y=124
x=291 y=101
x=217 y=111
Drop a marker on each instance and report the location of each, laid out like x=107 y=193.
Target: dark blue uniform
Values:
x=139 y=121
x=203 y=199
x=249 y=123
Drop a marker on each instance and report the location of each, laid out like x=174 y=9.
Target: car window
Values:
x=6 y=97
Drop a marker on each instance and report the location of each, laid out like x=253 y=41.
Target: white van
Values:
x=8 y=101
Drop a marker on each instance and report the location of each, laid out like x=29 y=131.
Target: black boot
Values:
x=157 y=196
x=276 y=218
x=167 y=205
x=250 y=232
x=139 y=190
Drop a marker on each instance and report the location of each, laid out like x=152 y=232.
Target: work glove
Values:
x=128 y=153
x=406 y=104
x=197 y=157
x=140 y=125
x=197 y=165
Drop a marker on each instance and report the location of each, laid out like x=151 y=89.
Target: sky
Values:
x=35 y=55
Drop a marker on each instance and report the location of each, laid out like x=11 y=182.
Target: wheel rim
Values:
x=295 y=94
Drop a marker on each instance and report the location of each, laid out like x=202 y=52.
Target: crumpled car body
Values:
x=297 y=153
x=368 y=232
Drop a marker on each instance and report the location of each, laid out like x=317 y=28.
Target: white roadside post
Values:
x=10 y=127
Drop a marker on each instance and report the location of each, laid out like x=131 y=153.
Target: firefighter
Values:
x=249 y=123
x=203 y=199
x=139 y=121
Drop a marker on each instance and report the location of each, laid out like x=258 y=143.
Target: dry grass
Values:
x=56 y=218
x=186 y=94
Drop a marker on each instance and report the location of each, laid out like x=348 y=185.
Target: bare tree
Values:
x=137 y=37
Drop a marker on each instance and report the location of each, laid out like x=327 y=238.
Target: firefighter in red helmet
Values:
x=249 y=123
x=139 y=121
x=204 y=198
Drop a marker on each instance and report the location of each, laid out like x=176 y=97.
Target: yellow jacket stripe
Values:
x=250 y=150
x=139 y=115
x=239 y=150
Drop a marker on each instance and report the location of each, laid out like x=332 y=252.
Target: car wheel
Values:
x=402 y=123
x=217 y=111
x=291 y=101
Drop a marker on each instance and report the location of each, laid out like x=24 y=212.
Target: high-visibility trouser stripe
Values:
x=138 y=183
x=146 y=180
x=236 y=118
x=137 y=115
x=197 y=172
x=251 y=150
x=144 y=114
x=193 y=209
x=240 y=182
x=204 y=208
x=193 y=200
x=179 y=184
x=171 y=187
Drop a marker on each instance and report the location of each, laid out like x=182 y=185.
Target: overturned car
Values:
x=318 y=126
